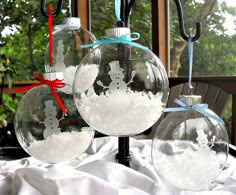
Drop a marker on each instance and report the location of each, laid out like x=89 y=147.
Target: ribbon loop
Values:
x=125 y=39
x=50 y=39
x=190 y=57
x=201 y=108
x=51 y=84
x=117 y=10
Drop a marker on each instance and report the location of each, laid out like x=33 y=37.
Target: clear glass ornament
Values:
x=67 y=53
x=189 y=149
x=123 y=91
x=44 y=132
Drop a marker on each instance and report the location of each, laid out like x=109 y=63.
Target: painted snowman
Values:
x=60 y=57
x=117 y=84
x=51 y=122
x=118 y=100
x=202 y=140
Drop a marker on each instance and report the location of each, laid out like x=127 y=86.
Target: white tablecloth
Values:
x=96 y=173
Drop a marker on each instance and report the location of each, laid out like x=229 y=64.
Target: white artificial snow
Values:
x=85 y=77
x=120 y=114
x=61 y=147
x=185 y=168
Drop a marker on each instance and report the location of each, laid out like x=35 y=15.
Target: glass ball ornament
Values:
x=44 y=132
x=67 y=53
x=123 y=91
x=189 y=149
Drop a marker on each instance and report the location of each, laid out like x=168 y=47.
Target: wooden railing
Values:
x=16 y=85
x=227 y=83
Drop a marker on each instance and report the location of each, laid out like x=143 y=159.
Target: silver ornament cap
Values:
x=51 y=76
x=70 y=23
x=117 y=31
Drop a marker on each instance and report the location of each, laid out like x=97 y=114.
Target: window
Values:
x=103 y=17
x=215 y=51
x=23 y=37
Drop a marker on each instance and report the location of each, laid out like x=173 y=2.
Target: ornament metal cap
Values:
x=51 y=76
x=191 y=99
x=70 y=23
x=117 y=31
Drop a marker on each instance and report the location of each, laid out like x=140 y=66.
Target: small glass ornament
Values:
x=67 y=53
x=44 y=132
x=122 y=92
x=190 y=147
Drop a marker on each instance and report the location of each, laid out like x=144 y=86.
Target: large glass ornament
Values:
x=189 y=148
x=45 y=132
x=67 y=53
x=122 y=91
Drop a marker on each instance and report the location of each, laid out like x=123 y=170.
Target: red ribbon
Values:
x=50 y=16
x=52 y=84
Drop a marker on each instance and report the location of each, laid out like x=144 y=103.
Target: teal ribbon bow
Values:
x=125 y=39
x=201 y=108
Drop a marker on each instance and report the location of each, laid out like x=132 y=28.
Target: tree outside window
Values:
x=215 y=51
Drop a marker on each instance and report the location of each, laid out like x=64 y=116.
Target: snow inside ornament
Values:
x=45 y=132
x=67 y=53
x=190 y=147
x=122 y=92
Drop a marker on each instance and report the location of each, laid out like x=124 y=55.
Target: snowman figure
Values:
x=117 y=100
x=51 y=122
x=117 y=84
x=60 y=57
x=202 y=142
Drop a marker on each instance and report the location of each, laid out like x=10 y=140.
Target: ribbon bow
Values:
x=201 y=108
x=52 y=84
x=125 y=39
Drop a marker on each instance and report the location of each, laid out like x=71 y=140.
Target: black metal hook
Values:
x=128 y=8
x=45 y=13
x=125 y=9
x=181 y=24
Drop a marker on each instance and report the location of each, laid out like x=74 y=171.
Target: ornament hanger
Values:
x=181 y=24
x=125 y=9
x=45 y=13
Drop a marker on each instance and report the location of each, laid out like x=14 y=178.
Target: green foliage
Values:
x=8 y=109
x=213 y=55
x=6 y=70
x=26 y=45
x=103 y=17
x=214 y=52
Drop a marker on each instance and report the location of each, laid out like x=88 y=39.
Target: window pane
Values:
x=23 y=37
x=215 y=51
x=103 y=17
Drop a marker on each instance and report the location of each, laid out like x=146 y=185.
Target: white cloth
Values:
x=96 y=173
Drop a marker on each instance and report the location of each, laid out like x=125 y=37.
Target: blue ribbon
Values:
x=117 y=10
x=201 y=108
x=125 y=39
x=190 y=57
